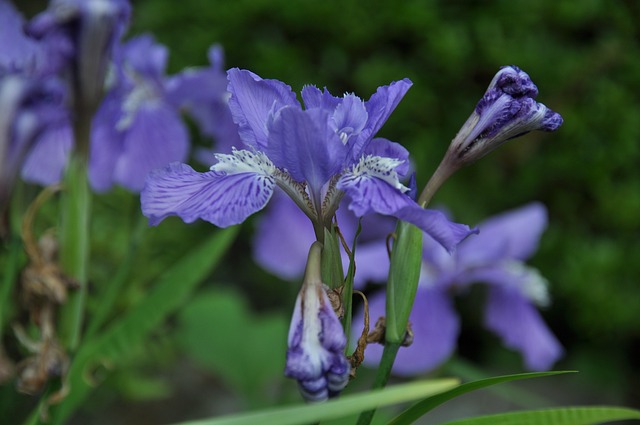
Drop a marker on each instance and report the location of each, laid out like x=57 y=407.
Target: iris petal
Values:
x=518 y=323
x=254 y=101
x=221 y=199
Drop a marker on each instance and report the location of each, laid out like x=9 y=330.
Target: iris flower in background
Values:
x=82 y=35
x=32 y=104
x=202 y=93
x=496 y=258
x=137 y=127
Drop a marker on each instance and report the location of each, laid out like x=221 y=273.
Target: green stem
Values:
x=382 y=376
x=74 y=244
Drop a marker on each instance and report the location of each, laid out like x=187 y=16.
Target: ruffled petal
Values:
x=516 y=321
x=303 y=143
x=435 y=327
x=379 y=107
x=222 y=199
x=384 y=101
x=254 y=101
x=514 y=234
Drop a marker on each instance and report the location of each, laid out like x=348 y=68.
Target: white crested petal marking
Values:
x=244 y=161
x=371 y=166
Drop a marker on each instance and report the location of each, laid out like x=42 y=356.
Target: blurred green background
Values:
x=585 y=58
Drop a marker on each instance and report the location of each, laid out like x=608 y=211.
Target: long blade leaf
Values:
x=561 y=416
x=346 y=405
x=422 y=407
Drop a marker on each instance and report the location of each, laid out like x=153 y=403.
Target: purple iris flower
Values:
x=137 y=128
x=316 y=155
x=495 y=257
x=506 y=110
x=82 y=34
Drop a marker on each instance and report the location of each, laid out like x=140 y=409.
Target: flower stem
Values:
x=445 y=169
x=74 y=237
x=384 y=370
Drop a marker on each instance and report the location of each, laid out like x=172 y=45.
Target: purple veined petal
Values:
x=435 y=327
x=516 y=321
x=388 y=149
x=46 y=161
x=283 y=235
x=157 y=136
x=514 y=234
x=253 y=102
x=303 y=143
x=223 y=199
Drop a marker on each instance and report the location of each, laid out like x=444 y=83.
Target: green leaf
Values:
x=247 y=351
x=346 y=405
x=169 y=293
x=560 y=416
x=422 y=407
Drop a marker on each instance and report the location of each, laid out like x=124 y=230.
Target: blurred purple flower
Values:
x=202 y=93
x=496 y=257
x=29 y=108
x=82 y=34
x=32 y=104
x=316 y=155
x=137 y=128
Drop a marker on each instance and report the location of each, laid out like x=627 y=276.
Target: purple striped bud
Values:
x=507 y=110
x=315 y=357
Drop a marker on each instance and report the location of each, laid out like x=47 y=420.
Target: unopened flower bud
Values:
x=315 y=357
x=506 y=110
